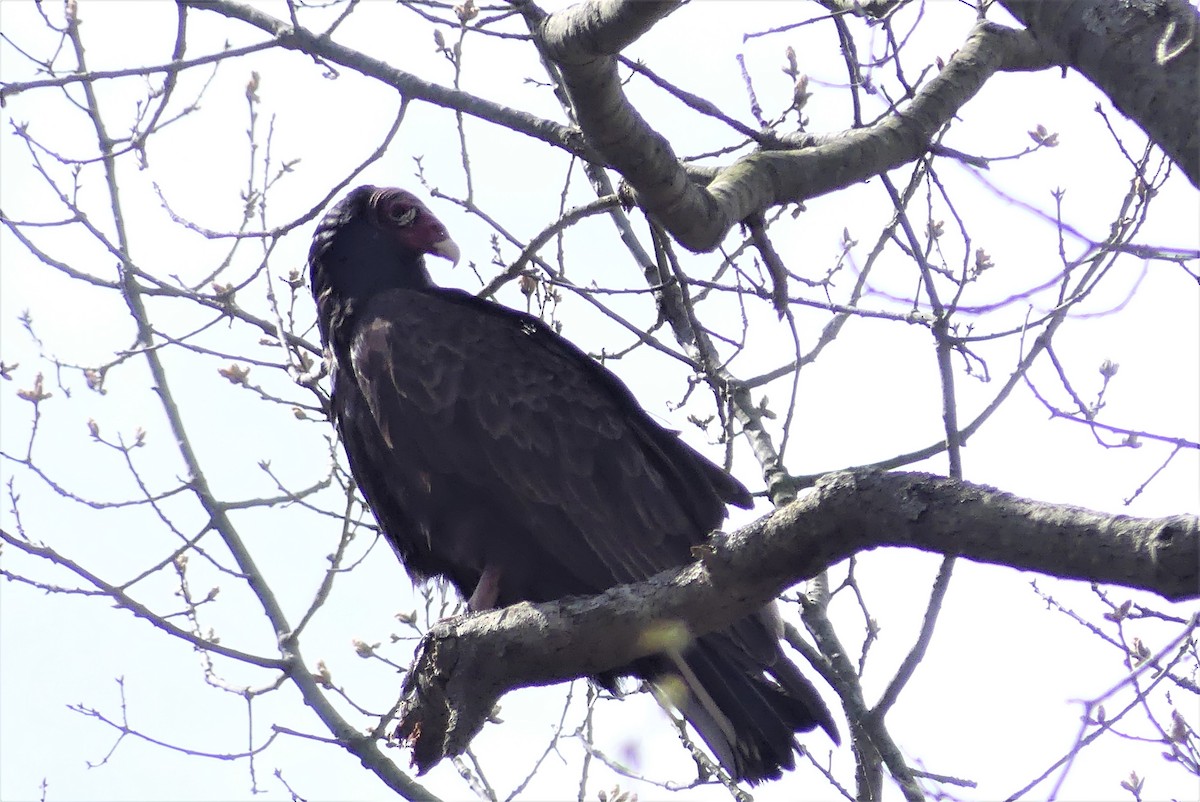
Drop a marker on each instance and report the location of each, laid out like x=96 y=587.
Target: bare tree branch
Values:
x=700 y=218
x=410 y=86
x=1145 y=56
x=456 y=677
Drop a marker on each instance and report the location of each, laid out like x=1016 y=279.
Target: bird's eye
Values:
x=401 y=214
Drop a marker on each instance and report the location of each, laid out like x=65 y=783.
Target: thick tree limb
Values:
x=591 y=34
x=832 y=162
x=576 y=40
x=465 y=664
x=1144 y=55
x=584 y=42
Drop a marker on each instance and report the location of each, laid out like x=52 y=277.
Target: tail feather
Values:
x=741 y=694
x=756 y=716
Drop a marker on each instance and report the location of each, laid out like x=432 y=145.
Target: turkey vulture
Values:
x=499 y=456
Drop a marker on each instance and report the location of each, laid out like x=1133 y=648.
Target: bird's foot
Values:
x=487 y=591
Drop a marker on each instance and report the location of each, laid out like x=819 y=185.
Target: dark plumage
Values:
x=497 y=455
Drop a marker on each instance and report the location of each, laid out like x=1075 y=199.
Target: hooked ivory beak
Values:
x=447 y=250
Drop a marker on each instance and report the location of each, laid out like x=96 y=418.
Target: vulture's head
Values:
x=372 y=240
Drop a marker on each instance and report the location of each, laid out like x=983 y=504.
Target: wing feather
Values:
x=526 y=444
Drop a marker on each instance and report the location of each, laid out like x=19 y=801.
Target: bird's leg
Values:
x=486 y=591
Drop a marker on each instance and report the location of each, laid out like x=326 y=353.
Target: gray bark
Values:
x=1143 y=54
x=698 y=216
x=465 y=664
